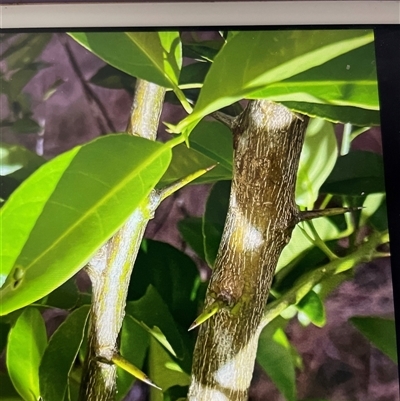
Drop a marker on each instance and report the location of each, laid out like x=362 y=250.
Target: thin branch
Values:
x=365 y=253
x=99 y=110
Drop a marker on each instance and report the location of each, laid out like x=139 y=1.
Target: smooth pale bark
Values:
x=111 y=268
x=262 y=214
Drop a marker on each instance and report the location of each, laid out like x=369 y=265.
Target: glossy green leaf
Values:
x=381 y=332
x=194 y=73
x=357 y=173
x=27 y=341
x=317 y=159
x=87 y=198
x=152 y=313
x=112 y=78
x=17 y=159
x=313 y=309
x=214 y=219
x=251 y=60
x=326 y=229
x=191 y=230
x=173 y=274
x=211 y=143
x=153 y=56
x=164 y=371
x=134 y=345
x=378 y=219
x=60 y=355
x=274 y=356
x=337 y=114
x=347 y=80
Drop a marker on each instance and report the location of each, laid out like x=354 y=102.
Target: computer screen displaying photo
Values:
x=199 y=211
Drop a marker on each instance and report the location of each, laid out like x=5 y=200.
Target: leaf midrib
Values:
x=96 y=205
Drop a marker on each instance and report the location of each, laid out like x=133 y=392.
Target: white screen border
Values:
x=206 y=14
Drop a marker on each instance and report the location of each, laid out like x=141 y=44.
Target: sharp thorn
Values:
x=206 y=314
x=314 y=214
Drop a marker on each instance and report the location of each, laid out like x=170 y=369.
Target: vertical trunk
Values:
x=262 y=213
x=111 y=268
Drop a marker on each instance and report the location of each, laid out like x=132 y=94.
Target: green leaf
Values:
x=317 y=159
x=60 y=355
x=173 y=274
x=210 y=143
x=26 y=49
x=26 y=343
x=112 y=78
x=26 y=125
x=153 y=315
x=15 y=158
x=251 y=60
x=357 y=173
x=378 y=219
x=153 y=56
x=191 y=230
x=275 y=357
x=164 y=371
x=204 y=50
x=214 y=219
x=337 y=114
x=194 y=73
x=66 y=296
x=381 y=332
x=326 y=229
x=4 y=329
x=347 y=80
x=7 y=390
x=134 y=345
x=88 y=200
x=313 y=309
x=21 y=77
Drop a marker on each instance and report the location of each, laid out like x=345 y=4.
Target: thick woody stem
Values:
x=111 y=268
x=262 y=213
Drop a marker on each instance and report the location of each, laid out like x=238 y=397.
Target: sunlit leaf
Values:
x=16 y=158
x=317 y=159
x=87 y=199
x=347 y=80
x=337 y=114
x=153 y=56
x=313 y=308
x=252 y=60
x=26 y=343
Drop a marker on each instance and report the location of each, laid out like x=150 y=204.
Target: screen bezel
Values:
x=382 y=16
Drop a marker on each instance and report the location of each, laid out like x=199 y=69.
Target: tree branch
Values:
x=262 y=213
x=111 y=268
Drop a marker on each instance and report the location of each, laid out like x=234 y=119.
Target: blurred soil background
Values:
x=339 y=363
